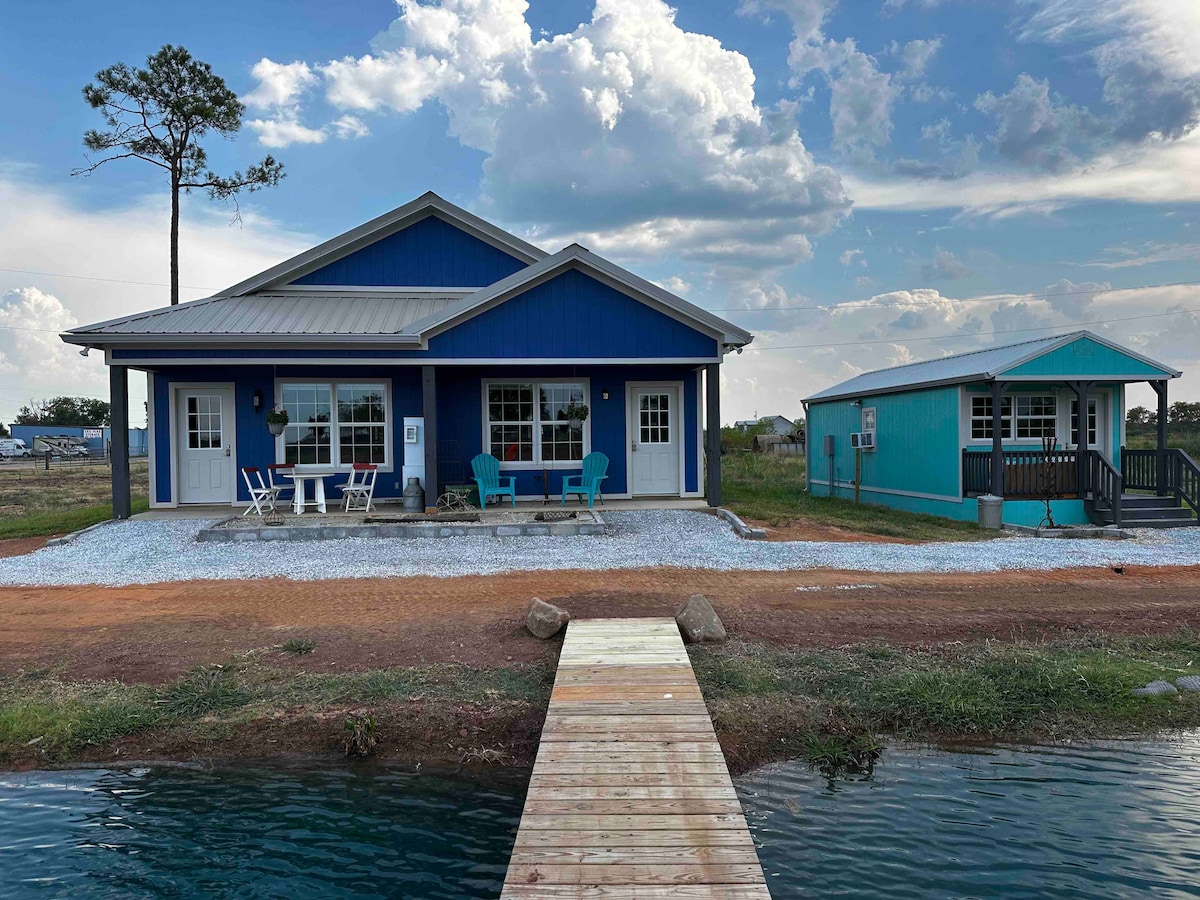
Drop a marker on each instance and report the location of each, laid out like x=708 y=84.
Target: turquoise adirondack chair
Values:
x=595 y=470
x=487 y=475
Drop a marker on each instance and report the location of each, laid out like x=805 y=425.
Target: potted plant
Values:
x=276 y=420
x=576 y=413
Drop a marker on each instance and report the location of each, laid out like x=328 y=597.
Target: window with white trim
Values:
x=335 y=424
x=1037 y=416
x=981 y=417
x=526 y=422
x=1093 y=433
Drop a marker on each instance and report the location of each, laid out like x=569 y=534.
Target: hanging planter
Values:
x=276 y=420
x=577 y=413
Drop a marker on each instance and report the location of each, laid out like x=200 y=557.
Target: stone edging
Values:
x=740 y=528
x=1078 y=532
x=570 y=528
x=67 y=538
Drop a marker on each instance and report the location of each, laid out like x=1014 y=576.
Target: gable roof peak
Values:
x=380 y=227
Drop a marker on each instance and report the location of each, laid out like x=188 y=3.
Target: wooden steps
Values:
x=630 y=798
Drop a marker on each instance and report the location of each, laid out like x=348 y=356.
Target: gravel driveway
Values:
x=146 y=552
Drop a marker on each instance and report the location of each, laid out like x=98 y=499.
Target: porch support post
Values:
x=997 y=439
x=118 y=398
x=429 y=411
x=1160 y=388
x=1081 y=389
x=712 y=432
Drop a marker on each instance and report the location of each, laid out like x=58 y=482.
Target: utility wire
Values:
x=990 y=298
x=190 y=287
x=972 y=334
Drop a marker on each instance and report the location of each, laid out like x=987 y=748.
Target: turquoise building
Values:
x=934 y=436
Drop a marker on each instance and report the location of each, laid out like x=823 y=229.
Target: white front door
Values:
x=654 y=427
x=204 y=423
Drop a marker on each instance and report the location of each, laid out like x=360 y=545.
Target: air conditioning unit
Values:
x=862 y=440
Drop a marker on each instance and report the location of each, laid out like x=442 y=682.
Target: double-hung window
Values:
x=1037 y=416
x=528 y=422
x=981 y=418
x=335 y=424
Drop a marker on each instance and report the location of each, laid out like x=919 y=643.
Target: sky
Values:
x=859 y=184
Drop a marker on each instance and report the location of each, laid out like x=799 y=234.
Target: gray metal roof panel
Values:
x=281 y=313
x=961 y=368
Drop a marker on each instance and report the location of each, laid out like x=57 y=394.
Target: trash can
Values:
x=991 y=509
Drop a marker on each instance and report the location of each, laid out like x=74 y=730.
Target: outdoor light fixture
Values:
x=257 y=400
x=856 y=403
x=84 y=351
x=604 y=395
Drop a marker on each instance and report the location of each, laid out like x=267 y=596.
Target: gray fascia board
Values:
x=347 y=242
x=209 y=341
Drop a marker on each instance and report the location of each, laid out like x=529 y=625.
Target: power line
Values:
x=190 y=287
x=944 y=337
x=989 y=298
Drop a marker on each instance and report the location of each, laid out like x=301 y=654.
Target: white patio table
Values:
x=317 y=476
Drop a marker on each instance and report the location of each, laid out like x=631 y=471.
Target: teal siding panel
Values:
x=1084 y=357
x=917 y=434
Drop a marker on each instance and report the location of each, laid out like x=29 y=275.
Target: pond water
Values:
x=1119 y=820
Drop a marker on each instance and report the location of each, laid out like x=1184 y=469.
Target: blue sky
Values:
x=886 y=167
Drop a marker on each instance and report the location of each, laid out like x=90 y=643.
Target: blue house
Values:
x=934 y=436
x=416 y=341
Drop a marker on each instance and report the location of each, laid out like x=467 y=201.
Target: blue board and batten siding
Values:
x=460 y=416
x=429 y=253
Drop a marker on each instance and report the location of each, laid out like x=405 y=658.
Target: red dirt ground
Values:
x=21 y=546
x=152 y=633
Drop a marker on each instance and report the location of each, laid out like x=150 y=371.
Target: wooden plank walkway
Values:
x=630 y=797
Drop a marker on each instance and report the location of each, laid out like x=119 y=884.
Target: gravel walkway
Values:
x=145 y=552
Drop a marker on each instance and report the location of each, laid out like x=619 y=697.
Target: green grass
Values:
x=1076 y=688
x=62 y=521
x=771 y=489
x=1188 y=441
x=62 y=719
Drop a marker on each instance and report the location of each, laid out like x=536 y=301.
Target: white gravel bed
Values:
x=144 y=552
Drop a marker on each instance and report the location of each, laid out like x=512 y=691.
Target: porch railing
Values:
x=1026 y=474
x=1181 y=474
x=1105 y=483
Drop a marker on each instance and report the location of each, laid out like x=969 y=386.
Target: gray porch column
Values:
x=118 y=398
x=712 y=432
x=1160 y=388
x=997 y=439
x=1081 y=389
x=429 y=411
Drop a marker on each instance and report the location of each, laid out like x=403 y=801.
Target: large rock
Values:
x=1188 y=683
x=1155 y=689
x=545 y=620
x=698 y=621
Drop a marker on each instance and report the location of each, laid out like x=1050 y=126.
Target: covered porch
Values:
x=1118 y=486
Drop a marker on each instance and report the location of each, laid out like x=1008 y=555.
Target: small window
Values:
x=655 y=419
x=981 y=418
x=204 y=422
x=1037 y=416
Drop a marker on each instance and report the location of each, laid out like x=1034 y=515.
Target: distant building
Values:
x=779 y=424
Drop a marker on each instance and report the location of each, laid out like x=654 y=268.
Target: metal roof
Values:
x=961 y=368
x=330 y=313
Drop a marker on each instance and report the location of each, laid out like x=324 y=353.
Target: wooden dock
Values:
x=630 y=797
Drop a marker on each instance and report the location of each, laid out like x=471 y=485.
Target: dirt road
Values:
x=154 y=632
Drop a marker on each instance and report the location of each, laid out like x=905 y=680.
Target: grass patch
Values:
x=1024 y=691
x=298 y=646
x=44 y=718
x=771 y=489
x=62 y=521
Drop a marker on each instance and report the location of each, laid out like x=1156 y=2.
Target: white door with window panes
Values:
x=655 y=418
x=1095 y=424
x=204 y=421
